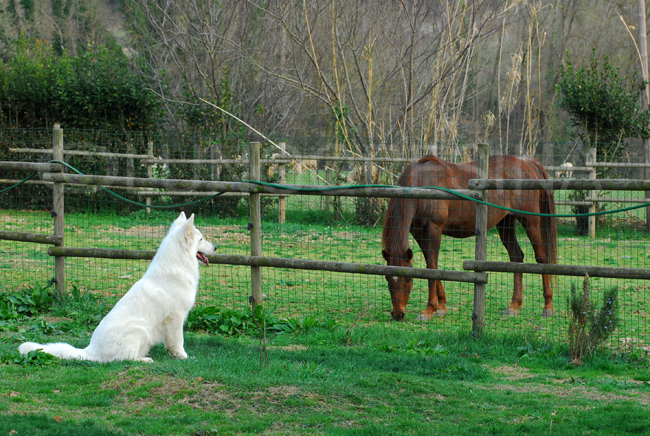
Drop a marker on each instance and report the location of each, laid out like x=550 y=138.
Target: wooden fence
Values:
x=479 y=267
x=283 y=159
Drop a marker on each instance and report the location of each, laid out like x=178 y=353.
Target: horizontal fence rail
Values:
x=30 y=166
x=565 y=184
x=82 y=153
x=558 y=270
x=279 y=262
x=36 y=238
x=214 y=186
x=211 y=161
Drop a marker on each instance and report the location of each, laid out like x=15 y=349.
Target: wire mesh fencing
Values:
x=329 y=228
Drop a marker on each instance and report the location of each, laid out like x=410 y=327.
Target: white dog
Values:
x=154 y=309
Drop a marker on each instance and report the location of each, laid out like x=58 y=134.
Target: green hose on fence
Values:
x=334 y=188
x=18 y=184
x=451 y=191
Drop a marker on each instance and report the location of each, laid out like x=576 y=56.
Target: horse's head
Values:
x=399 y=287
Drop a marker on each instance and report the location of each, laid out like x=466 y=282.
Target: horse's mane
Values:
x=395 y=233
x=430 y=158
x=392 y=238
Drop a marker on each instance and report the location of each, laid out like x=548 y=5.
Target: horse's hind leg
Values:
x=429 y=241
x=532 y=225
x=506 y=228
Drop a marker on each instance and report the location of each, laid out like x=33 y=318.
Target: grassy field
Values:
x=342 y=297
x=340 y=366
x=364 y=380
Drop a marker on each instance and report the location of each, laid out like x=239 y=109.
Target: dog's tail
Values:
x=59 y=349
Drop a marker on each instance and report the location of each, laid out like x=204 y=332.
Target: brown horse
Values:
x=428 y=220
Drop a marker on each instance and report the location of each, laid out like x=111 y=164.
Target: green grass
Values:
x=367 y=375
x=344 y=297
x=385 y=380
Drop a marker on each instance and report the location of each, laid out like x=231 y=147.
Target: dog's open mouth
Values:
x=204 y=260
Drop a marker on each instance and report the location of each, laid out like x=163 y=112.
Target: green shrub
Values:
x=31 y=301
x=230 y=322
x=36 y=358
x=590 y=328
x=96 y=89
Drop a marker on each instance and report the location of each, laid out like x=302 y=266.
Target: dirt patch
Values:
x=284 y=391
x=137 y=389
x=511 y=372
x=55 y=319
x=136 y=230
x=563 y=391
x=289 y=348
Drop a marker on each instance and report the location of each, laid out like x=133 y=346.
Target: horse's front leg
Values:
x=437 y=304
x=429 y=242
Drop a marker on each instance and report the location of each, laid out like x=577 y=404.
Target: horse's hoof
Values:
x=547 y=313
x=510 y=312
x=424 y=317
x=440 y=312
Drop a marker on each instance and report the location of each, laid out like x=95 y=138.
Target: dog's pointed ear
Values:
x=178 y=221
x=188 y=229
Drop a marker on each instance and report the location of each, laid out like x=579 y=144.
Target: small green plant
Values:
x=416 y=347
x=230 y=322
x=31 y=301
x=7 y=310
x=36 y=358
x=44 y=327
x=590 y=328
x=528 y=351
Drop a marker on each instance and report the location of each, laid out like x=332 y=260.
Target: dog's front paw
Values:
x=180 y=354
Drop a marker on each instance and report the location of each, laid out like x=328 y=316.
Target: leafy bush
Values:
x=230 y=322
x=99 y=88
x=603 y=106
x=590 y=328
x=36 y=358
x=31 y=301
x=84 y=307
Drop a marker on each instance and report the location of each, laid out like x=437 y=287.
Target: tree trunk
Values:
x=643 y=48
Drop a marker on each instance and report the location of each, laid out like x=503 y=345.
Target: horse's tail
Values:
x=58 y=349
x=548 y=223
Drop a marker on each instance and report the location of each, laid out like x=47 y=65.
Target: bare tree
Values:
x=380 y=72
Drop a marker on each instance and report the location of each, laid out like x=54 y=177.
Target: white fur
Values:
x=154 y=309
x=566 y=172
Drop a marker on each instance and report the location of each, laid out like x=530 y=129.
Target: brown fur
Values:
x=427 y=220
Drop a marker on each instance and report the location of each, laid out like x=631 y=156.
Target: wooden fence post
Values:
x=591 y=159
x=130 y=167
x=282 y=173
x=480 y=251
x=255 y=225
x=149 y=172
x=58 y=211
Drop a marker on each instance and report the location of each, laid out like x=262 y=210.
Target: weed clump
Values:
x=590 y=328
